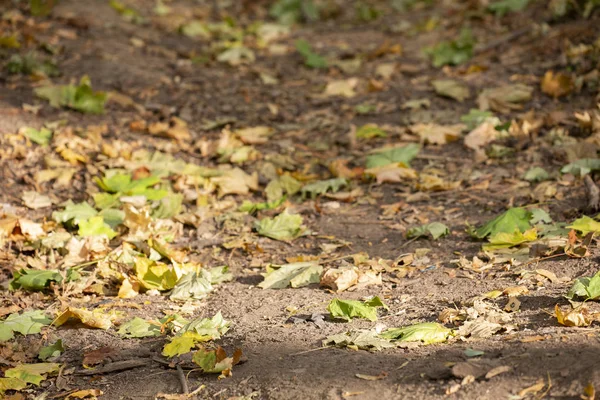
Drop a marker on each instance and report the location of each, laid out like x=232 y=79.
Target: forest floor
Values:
x=158 y=172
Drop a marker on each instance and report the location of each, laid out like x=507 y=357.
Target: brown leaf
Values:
x=98 y=356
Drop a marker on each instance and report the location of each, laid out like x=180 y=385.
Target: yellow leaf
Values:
x=557 y=85
x=94 y=319
x=577 y=317
x=128 y=290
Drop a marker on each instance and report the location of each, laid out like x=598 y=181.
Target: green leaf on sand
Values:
x=348 y=309
x=513 y=219
x=426 y=332
x=81 y=97
x=295 y=275
x=403 y=154
x=436 y=229
x=28 y=323
x=284 y=227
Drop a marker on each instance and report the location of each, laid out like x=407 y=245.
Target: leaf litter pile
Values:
x=299 y=199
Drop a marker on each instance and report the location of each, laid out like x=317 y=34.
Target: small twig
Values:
x=184 y=385
x=593 y=193
x=505 y=39
x=310 y=351
x=409 y=241
x=114 y=367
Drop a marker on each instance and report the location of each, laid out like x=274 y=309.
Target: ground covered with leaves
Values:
x=299 y=199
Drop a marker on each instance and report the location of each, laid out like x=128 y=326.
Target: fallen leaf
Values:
x=504 y=99
x=426 y=332
x=451 y=88
x=295 y=275
x=343 y=88
x=579 y=316
x=437 y=134
x=557 y=85
x=348 y=309
x=283 y=227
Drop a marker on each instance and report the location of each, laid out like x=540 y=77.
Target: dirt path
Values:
x=172 y=90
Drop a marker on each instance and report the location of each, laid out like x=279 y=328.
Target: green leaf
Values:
x=179 y=345
x=80 y=98
x=95 y=226
x=207 y=328
x=587 y=288
x=502 y=7
x=451 y=88
x=504 y=240
x=139 y=328
x=284 y=227
x=54 y=350
x=348 y=309
x=169 y=206
x=436 y=229
x=536 y=174
x=11 y=384
x=295 y=275
x=539 y=216
x=365 y=340
x=370 y=131
x=453 y=52
x=41 y=8
x=426 y=332
x=33 y=279
x=154 y=275
x=402 y=154
x=112 y=217
x=513 y=219
x=289 y=12
x=28 y=323
x=192 y=286
x=475 y=117
x=106 y=200
x=32 y=373
x=75 y=213
x=582 y=167
x=585 y=225
x=216 y=361
x=41 y=137
x=220 y=274
x=252 y=208
x=321 y=187
x=311 y=59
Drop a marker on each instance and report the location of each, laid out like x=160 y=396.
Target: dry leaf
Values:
x=576 y=317
x=557 y=85
x=437 y=134
x=344 y=88
x=532 y=389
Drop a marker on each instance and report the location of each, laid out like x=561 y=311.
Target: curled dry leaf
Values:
x=579 y=316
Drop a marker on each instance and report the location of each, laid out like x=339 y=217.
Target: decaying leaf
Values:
x=365 y=340
x=451 y=88
x=505 y=98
